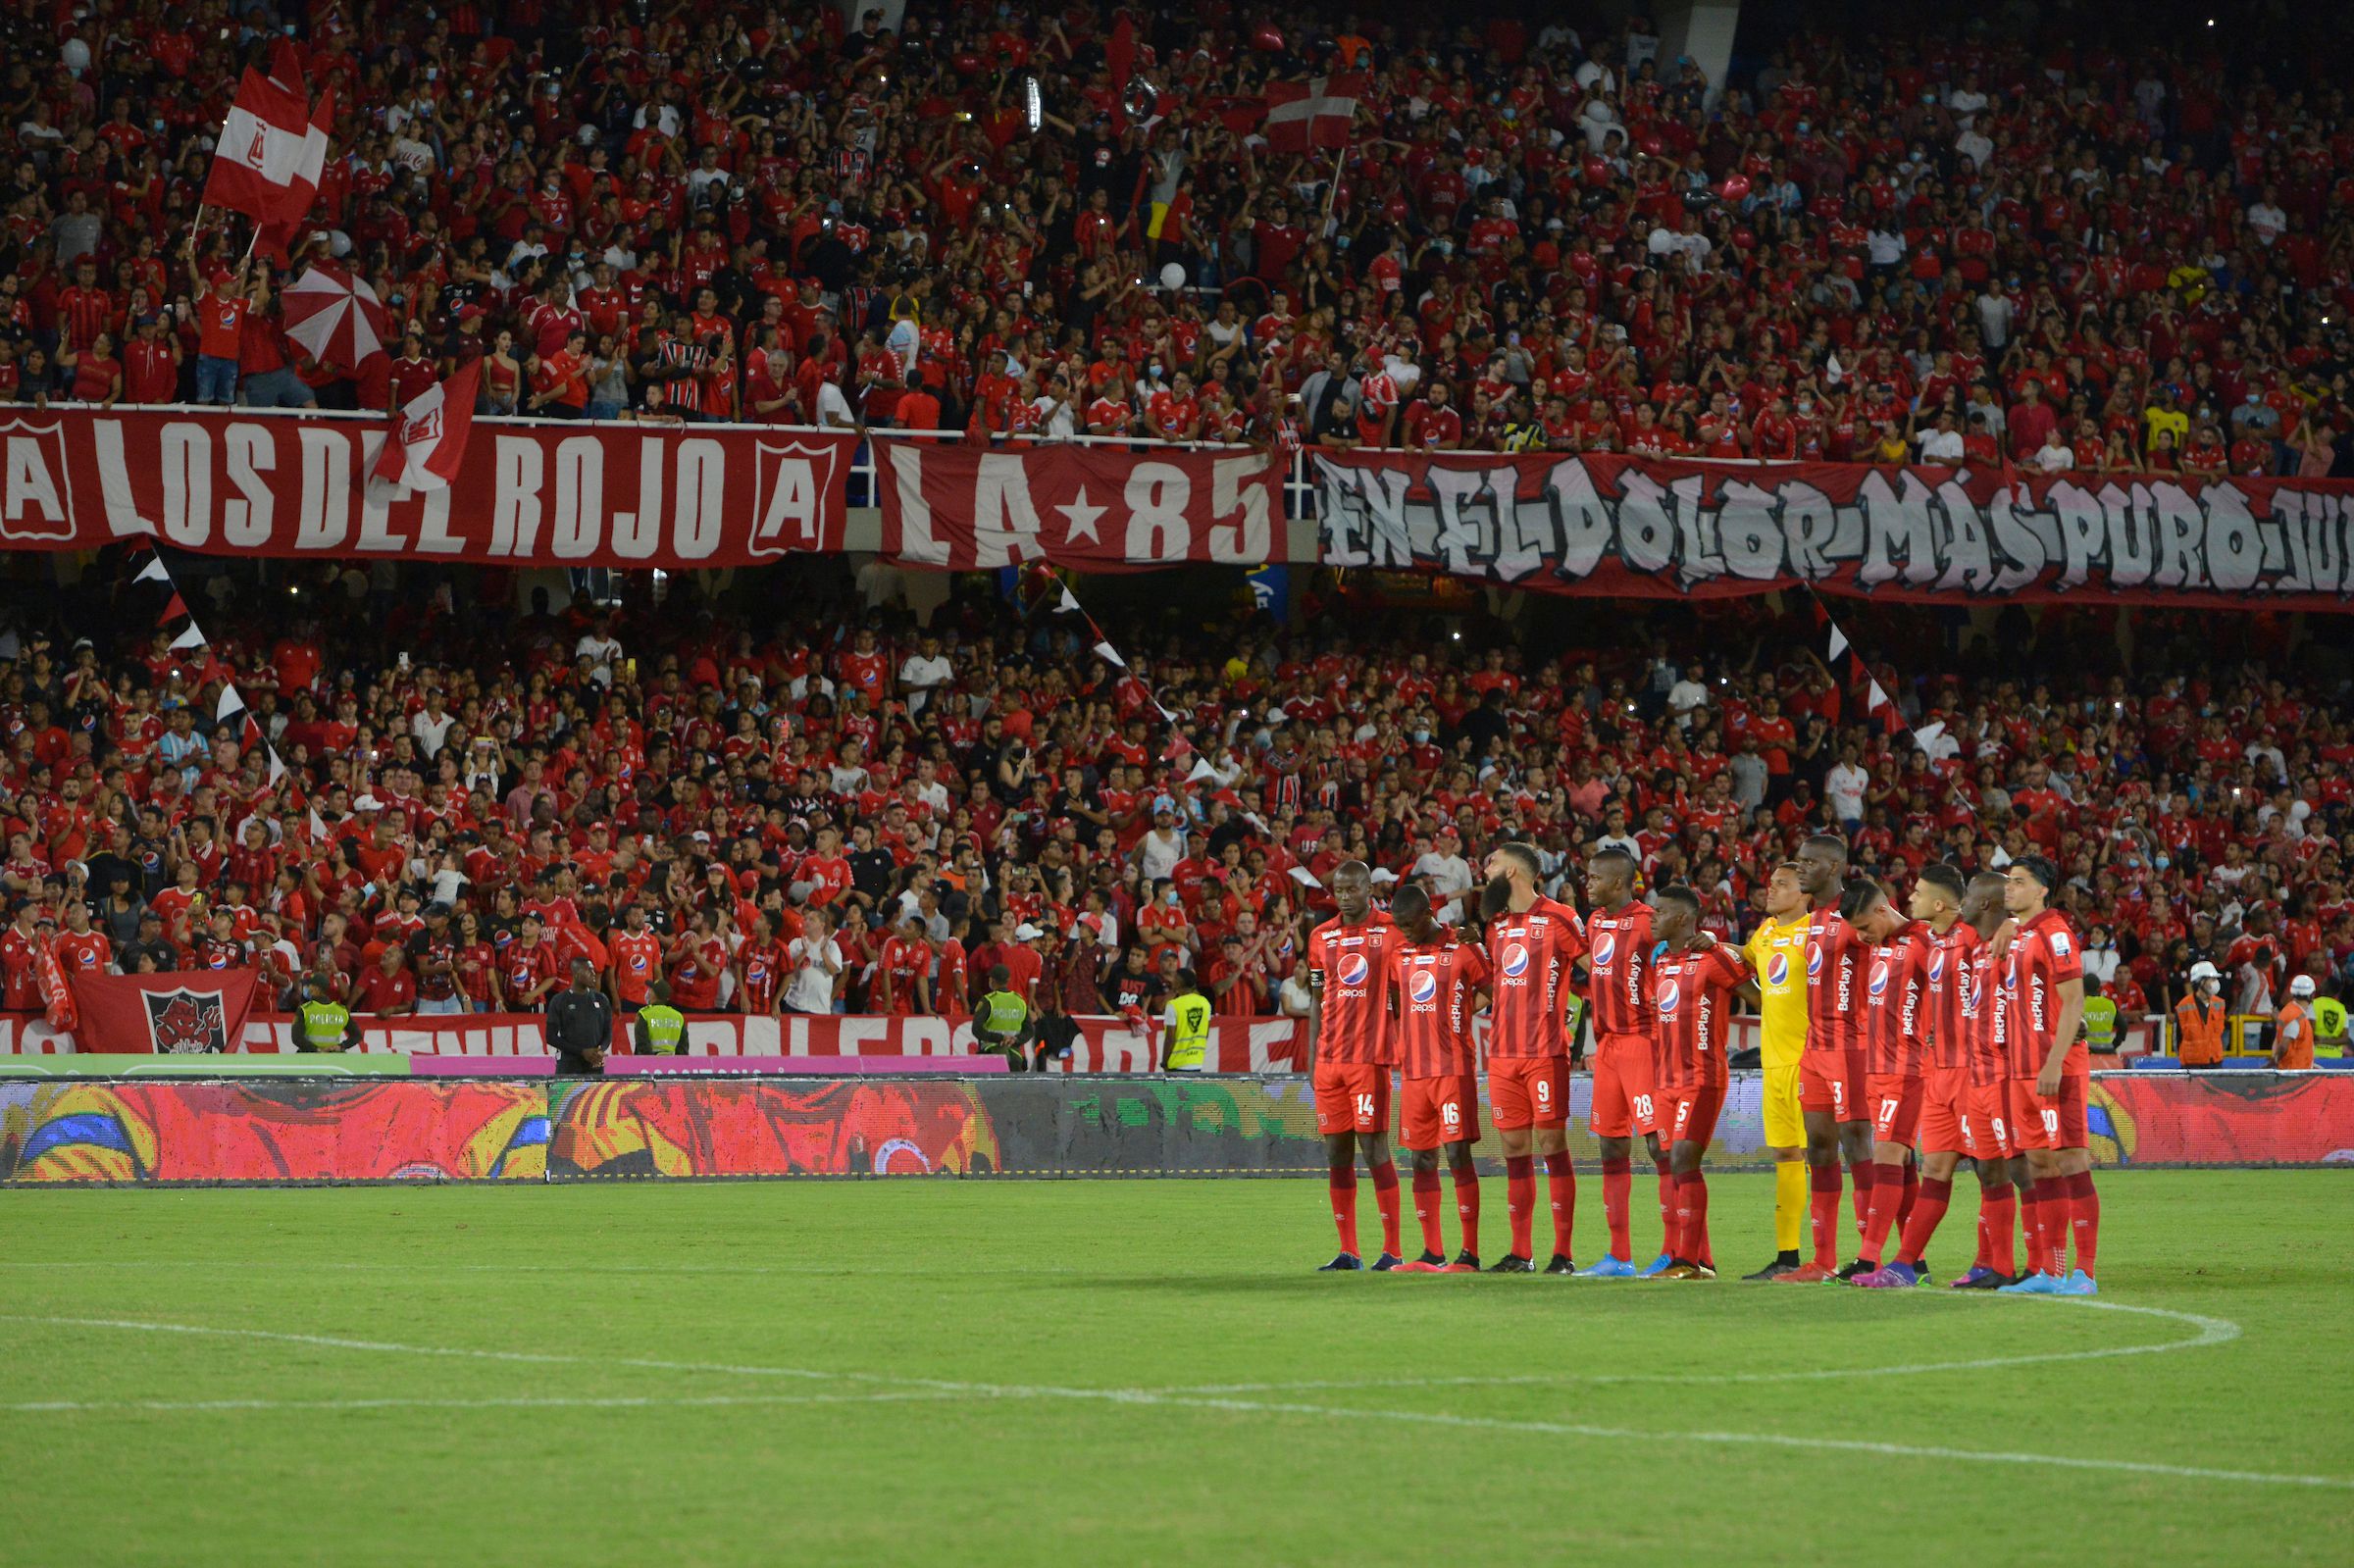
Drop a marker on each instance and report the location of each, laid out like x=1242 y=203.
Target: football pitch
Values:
x=1137 y=1373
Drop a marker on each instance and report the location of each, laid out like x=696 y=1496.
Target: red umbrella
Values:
x=336 y=317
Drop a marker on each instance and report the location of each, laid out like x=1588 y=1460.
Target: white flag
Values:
x=1112 y=656
x=189 y=638
x=230 y=702
x=153 y=572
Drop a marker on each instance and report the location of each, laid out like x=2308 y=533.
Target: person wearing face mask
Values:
x=2199 y=1019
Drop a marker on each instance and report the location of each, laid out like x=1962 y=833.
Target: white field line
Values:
x=1148 y=1397
x=520 y=1403
x=2212 y=1332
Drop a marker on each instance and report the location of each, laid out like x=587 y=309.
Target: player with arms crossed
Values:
x=1830 y=1089
x=1437 y=980
x=2051 y=1081
x=1692 y=984
x=1348 y=1056
x=1619 y=942
x=1895 y=993
x=1986 y=1136
x=1777 y=986
x=1532 y=940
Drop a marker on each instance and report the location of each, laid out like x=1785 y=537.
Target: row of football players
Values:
x=1911 y=1040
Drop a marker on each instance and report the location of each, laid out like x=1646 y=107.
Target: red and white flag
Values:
x=1316 y=114
x=276 y=239
x=262 y=150
x=429 y=436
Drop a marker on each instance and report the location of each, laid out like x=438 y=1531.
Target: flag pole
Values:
x=1333 y=194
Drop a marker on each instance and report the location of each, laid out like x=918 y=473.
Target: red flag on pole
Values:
x=260 y=152
x=1316 y=114
x=428 y=435
x=276 y=239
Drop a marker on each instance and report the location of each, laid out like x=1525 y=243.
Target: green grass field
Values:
x=1135 y=1373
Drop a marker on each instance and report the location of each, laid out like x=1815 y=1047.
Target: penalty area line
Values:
x=518 y=1402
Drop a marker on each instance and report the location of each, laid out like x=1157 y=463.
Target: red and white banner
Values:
x=526 y=493
x=1103 y=508
x=162 y=1015
x=1626 y=526
x=264 y=152
x=1105 y=1044
x=1317 y=113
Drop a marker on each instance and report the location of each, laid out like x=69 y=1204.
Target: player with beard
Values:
x=1619 y=942
x=1987 y=1137
x=1532 y=940
x=2051 y=1081
x=1438 y=980
x=1350 y=1054
x=1693 y=981
x=1832 y=1073
x=1895 y=992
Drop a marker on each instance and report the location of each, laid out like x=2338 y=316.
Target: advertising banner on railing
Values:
x=1099 y=508
x=1609 y=525
x=527 y=493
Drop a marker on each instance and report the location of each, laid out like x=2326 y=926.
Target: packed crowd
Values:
x=840 y=810
x=1948 y=242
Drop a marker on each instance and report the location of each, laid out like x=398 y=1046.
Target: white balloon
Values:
x=1172 y=276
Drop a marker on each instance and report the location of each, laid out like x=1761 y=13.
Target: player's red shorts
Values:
x=1893 y=1103
x=1986 y=1131
x=1528 y=1091
x=2038 y=1123
x=1832 y=1081
x=1351 y=1097
x=1436 y=1111
x=1941 y=1109
x=1622 y=1097
x=1689 y=1115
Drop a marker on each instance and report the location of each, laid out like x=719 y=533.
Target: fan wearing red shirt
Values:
x=636 y=959
x=81 y=950
x=762 y=967
x=905 y=968
x=1348 y=1056
x=1830 y=1071
x=1532 y=941
x=527 y=969
x=1617 y=960
x=1692 y=983
x=1437 y=982
x=1895 y=1016
x=388 y=989
x=2051 y=1081
x=20 y=961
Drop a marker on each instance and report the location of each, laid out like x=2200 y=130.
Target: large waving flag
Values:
x=276 y=237
x=1316 y=114
x=262 y=150
x=429 y=435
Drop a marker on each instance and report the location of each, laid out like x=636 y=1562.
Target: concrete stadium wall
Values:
x=274 y=1129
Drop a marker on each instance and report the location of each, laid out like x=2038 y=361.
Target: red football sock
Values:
x=1617 y=1185
x=1699 y=1236
x=1910 y=1194
x=1866 y=1175
x=1561 y=1185
x=2030 y=1224
x=1936 y=1197
x=1998 y=1211
x=1343 y=1184
x=1668 y=1203
x=1467 y=1209
x=1385 y=1198
x=2084 y=1205
x=1426 y=1210
x=1519 y=1198
x=1685 y=1223
x=1823 y=1210
x=1985 y=1257
x=1881 y=1211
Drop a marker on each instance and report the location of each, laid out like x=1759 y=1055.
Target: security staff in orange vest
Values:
x=2199 y=1019
x=2292 y=1032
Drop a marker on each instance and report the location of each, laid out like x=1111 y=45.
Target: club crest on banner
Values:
x=790 y=503
x=186 y=1022
x=37 y=483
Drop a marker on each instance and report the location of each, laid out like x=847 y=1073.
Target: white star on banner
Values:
x=1082 y=518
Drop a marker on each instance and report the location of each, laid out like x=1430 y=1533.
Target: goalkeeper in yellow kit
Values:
x=1777 y=965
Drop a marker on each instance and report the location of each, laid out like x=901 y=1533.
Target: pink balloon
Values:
x=1734 y=188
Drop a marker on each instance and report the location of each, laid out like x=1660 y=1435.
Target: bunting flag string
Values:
x=232 y=704
x=1067 y=603
x=1849 y=668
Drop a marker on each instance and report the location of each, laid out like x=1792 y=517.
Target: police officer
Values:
x=660 y=1026
x=324 y=1024
x=1001 y=1023
x=2100 y=1020
x=579 y=1023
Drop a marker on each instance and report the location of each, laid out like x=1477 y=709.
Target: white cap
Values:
x=1027 y=932
x=2203 y=970
x=2302 y=986
x=367 y=803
